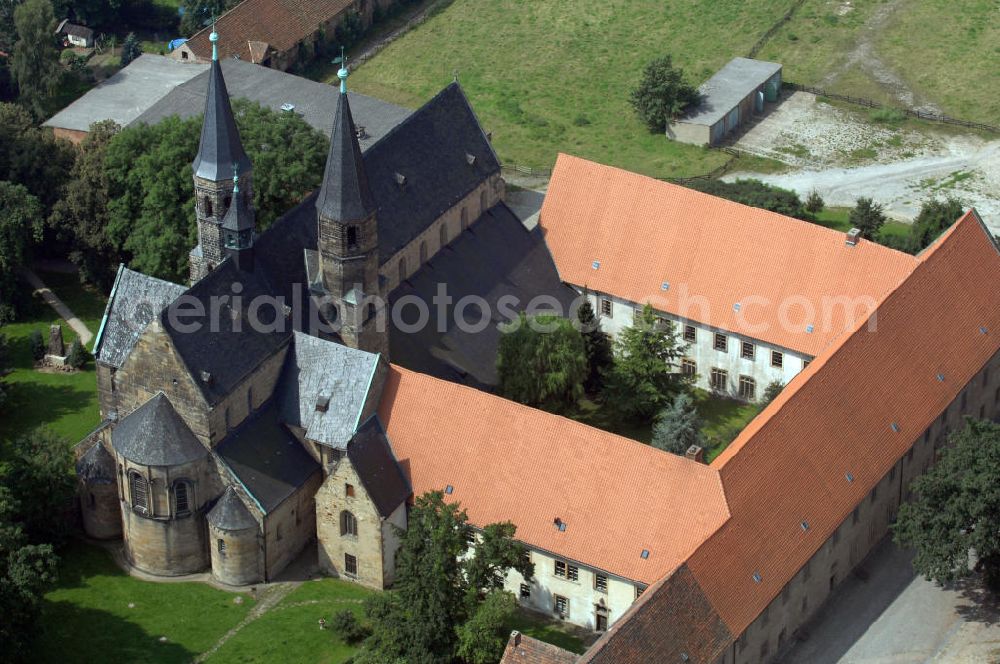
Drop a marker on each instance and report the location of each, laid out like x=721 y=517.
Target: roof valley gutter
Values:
x=371 y=377
x=240 y=482
x=107 y=310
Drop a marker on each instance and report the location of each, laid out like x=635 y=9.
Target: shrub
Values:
x=37 y=346
x=772 y=390
x=347 y=626
x=887 y=115
x=814 y=203
x=77 y=356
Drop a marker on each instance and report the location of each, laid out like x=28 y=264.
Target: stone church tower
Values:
x=348 y=239
x=220 y=157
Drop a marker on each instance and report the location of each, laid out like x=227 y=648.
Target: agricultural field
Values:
x=555 y=76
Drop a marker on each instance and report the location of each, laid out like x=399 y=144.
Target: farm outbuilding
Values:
x=730 y=98
x=76 y=35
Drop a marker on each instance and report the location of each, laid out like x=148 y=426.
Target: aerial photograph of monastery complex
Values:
x=500 y=331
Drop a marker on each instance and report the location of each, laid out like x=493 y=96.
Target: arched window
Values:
x=226 y=203
x=139 y=490
x=423 y=253
x=352 y=237
x=482 y=202
x=443 y=234
x=207 y=204
x=182 y=498
x=402 y=269
x=348 y=524
x=465 y=219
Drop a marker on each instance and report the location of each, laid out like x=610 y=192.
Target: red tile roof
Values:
x=510 y=462
x=711 y=251
x=522 y=649
x=280 y=24
x=834 y=418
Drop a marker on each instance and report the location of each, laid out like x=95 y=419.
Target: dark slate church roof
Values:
x=371 y=455
x=344 y=194
x=496 y=257
x=266 y=458
x=230 y=513
x=155 y=435
x=228 y=347
x=318 y=368
x=135 y=300
x=432 y=149
x=96 y=466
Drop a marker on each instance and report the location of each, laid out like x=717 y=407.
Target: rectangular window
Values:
x=601 y=583
x=572 y=572
x=525 y=591
x=636 y=316
x=352 y=236
x=777 y=359
x=747 y=350
x=690 y=333
x=605 y=306
x=140 y=500
x=719 y=379
x=721 y=342
x=688 y=367
x=561 y=605
x=181 y=498
x=560 y=568
x=220 y=544
x=748 y=388
x=350 y=564
x=349 y=490
x=278 y=532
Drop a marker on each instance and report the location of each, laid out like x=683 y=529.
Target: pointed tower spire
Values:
x=220 y=145
x=220 y=157
x=238 y=228
x=344 y=195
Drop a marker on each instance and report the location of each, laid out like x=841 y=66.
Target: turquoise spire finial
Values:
x=342 y=73
x=214 y=38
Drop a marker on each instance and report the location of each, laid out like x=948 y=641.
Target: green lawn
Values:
x=66 y=402
x=555 y=76
x=290 y=632
x=545 y=629
x=87 y=617
x=722 y=418
x=838 y=219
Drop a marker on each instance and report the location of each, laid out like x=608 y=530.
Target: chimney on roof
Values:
x=206 y=377
x=323 y=403
x=853 y=237
x=695 y=453
x=516 y=635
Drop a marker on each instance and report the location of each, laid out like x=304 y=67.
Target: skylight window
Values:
x=895 y=427
x=595 y=264
x=645 y=554
x=665 y=285
x=805 y=526
x=448 y=489
x=757 y=578
x=809 y=329
x=940 y=377
x=849 y=477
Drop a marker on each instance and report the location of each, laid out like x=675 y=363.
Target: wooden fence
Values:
x=871 y=103
x=773 y=30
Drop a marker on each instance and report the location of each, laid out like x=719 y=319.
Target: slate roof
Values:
x=266 y=458
x=497 y=257
x=314 y=102
x=230 y=513
x=506 y=461
x=371 y=456
x=431 y=149
x=222 y=352
x=220 y=147
x=344 y=194
x=96 y=466
x=155 y=435
x=316 y=367
x=240 y=216
x=726 y=265
x=522 y=649
x=281 y=24
x=728 y=87
x=135 y=300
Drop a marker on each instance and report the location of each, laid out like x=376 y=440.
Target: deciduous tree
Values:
x=956 y=510
x=31 y=156
x=662 y=94
x=39 y=477
x=867 y=216
x=645 y=377
x=934 y=218
x=542 y=361
x=20 y=214
x=35 y=61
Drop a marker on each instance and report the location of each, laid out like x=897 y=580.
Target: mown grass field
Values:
x=65 y=402
x=555 y=76
x=87 y=617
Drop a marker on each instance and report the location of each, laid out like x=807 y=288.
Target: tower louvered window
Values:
x=139 y=490
x=182 y=506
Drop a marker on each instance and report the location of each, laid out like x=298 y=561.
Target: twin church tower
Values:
x=347 y=280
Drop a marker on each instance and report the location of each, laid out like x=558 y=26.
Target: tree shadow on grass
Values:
x=30 y=405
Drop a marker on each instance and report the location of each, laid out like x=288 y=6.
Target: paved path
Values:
x=267 y=600
x=53 y=301
x=895 y=617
